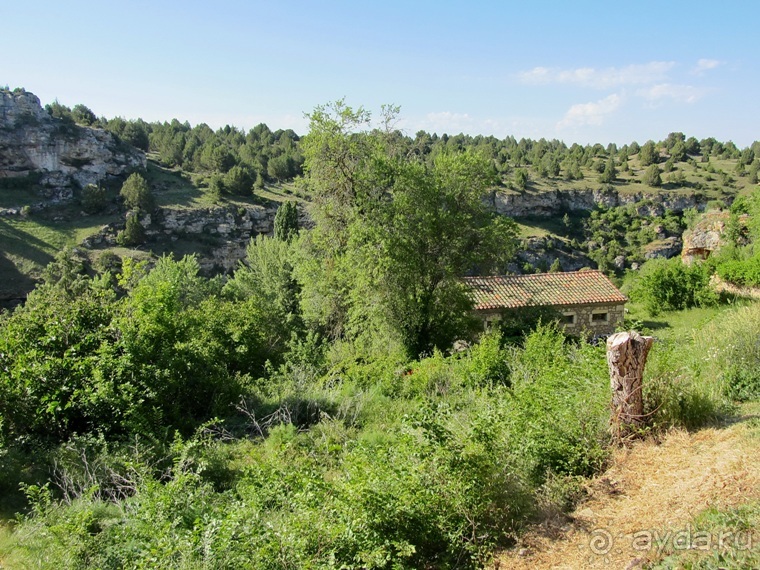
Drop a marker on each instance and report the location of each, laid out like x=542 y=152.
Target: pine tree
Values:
x=286 y=221
x=133 y=234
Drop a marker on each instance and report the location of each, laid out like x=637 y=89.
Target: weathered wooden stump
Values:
x=626 y=356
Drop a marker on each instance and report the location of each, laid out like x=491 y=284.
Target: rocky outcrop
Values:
x=556 y=202
x=665 y=248
x=225 y=231
x=541 y=253
x=61 y=154
x=705 y=238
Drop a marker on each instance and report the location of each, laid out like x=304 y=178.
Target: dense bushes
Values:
x=741 y=271
x=356 y=461
x=433 y=466
x=669 y=285
x=167 y=355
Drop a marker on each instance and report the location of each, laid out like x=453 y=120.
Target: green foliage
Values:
x=652 y=176
x=82 y=115
x=521 y=179
x=265 y=281
x=648 y=155
x=48 y=355
x=609 y=174
x=376 y=253
x=516 y=324
x=622 y=231
x=133 y=233
x=167 y=356
x=93 y=198
x=137 y=194
x=58 y=111
x=286 y=221
x=487 y=362
x=670 y=285
x=239 y=181
x=216 y=186
x=741 y=271
x=690 y=218
x=441 y=473
x=733 y=360
x=561 y=405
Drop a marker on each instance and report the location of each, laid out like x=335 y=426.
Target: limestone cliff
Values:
x=62 y=154
x=556 y=202
x=706 y=237
x=221 y=233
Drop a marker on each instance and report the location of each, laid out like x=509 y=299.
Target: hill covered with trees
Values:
x=211 y=191
x=311 y=408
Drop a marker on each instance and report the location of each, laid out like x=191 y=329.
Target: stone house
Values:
x=587 y=300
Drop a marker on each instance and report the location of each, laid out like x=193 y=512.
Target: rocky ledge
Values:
x=557 y=202
x=63 y=155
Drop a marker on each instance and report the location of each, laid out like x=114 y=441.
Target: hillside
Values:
x=333 y=401
x=215 y=190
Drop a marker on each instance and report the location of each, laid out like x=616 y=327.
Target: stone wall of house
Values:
x=583 y=323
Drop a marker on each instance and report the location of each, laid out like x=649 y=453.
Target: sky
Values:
x=577 y=71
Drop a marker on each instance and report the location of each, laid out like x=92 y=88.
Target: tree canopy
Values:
x=137 y=194
x=394 y=233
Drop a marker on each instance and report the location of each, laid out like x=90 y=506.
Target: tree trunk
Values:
x=626 y=356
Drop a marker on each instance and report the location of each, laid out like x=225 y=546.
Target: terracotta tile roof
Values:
x=542 y=289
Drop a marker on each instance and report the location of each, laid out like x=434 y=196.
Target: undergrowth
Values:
x=341 y=461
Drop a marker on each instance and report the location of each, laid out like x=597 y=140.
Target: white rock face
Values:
x=31 y=141
x=553 y=203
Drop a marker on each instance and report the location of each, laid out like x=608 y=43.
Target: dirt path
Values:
x=650 y=489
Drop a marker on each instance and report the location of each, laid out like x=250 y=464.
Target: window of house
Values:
x=568 y=319
x=599 y=317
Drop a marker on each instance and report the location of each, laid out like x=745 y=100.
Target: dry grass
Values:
x=655 y=487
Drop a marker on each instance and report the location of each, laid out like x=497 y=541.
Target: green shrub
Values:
x=137 y=194
x=561 y=405
x=741 y=271
x=133 y=233
x=670 y=285
x=93 y=198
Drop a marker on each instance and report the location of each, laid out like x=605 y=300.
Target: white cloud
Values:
x=704 y=65
x=679 y=93
x=637 y=74
x=592 y=113
x=448 y=122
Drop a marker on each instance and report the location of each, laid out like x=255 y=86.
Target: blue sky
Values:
x=578 y=71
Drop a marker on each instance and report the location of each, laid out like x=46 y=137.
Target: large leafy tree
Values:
x=394 y=234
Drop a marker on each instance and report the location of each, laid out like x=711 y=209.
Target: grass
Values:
x=173 y=188
x=676 y=325
x=541 y=227
x=723 y=536
x=29 y=244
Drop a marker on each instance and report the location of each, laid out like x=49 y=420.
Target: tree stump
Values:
x=626 y=356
